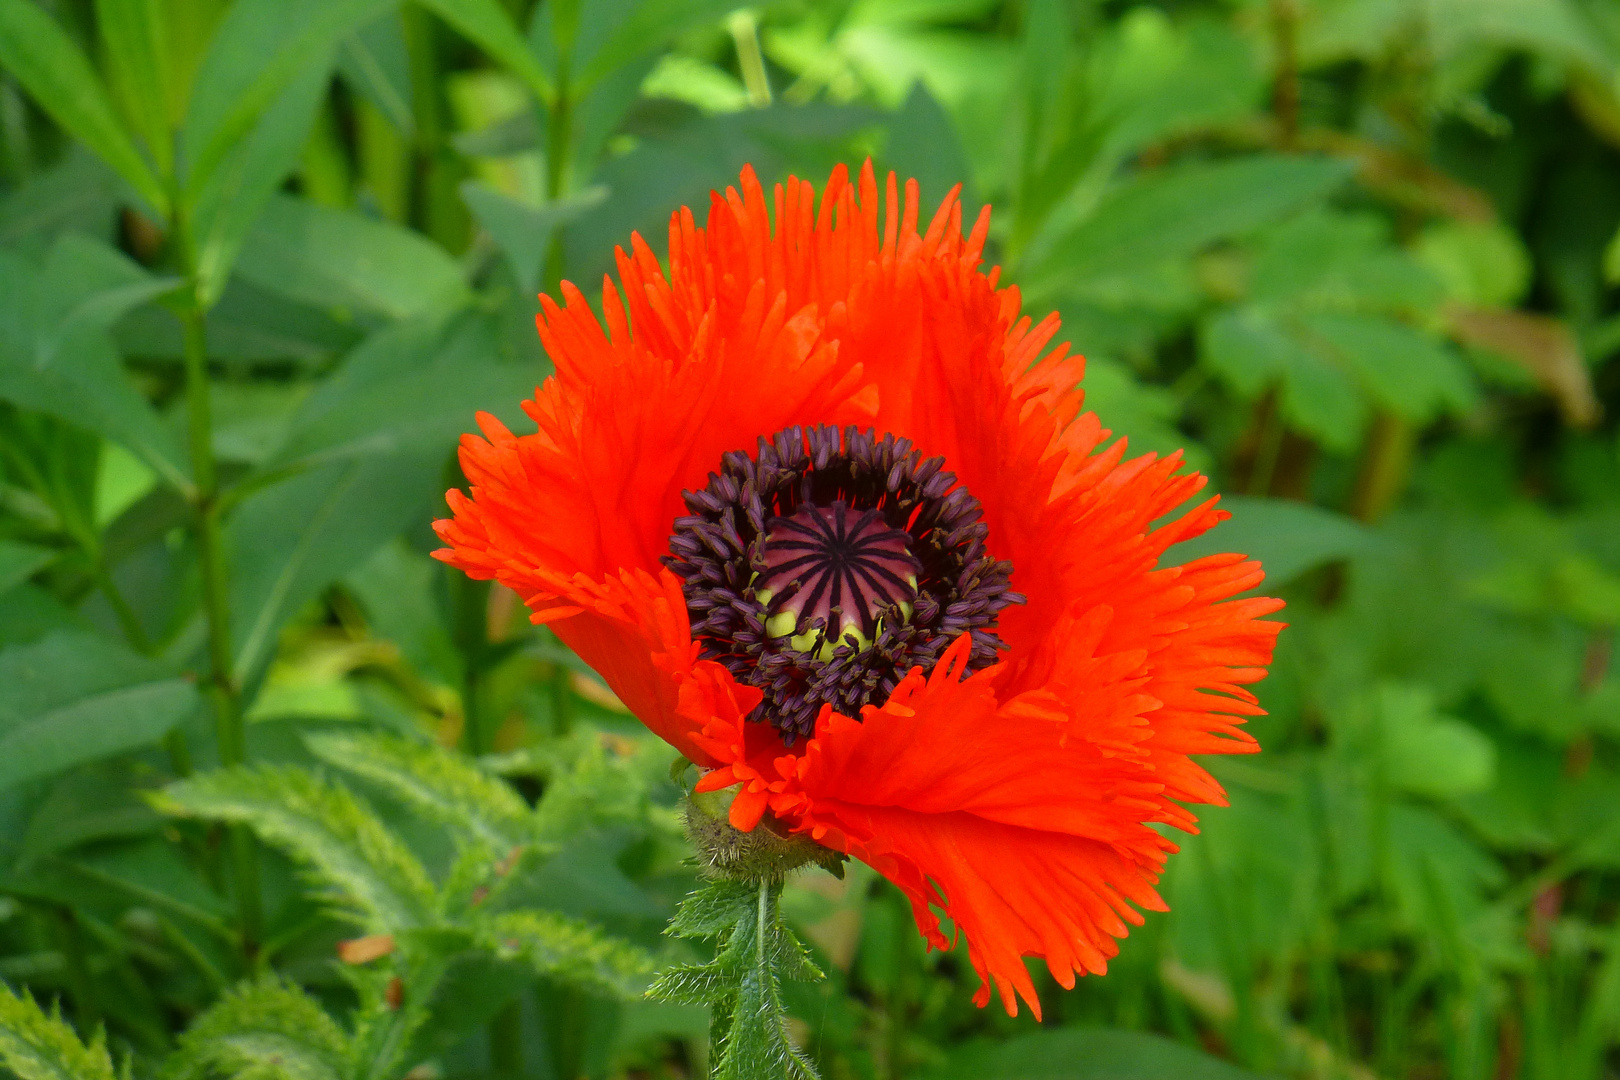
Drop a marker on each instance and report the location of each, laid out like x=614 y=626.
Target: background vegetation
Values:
x=261 y=260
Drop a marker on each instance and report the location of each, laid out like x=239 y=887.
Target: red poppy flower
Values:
x=781 y=501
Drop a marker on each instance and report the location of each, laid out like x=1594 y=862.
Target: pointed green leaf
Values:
x=369 y=872
x=1407 y=371
x=227 y=202
x=375 y=64
x=410 y=388
x=487 y=24
x=1288 y=537
x=567 y=949
x=79 y=193
x=289 y=541
x=337 y=258
x=1176 y=211
x=434 y=782
x=261 y=49
x=524 y=232
x=136 y=36
x=612 y=36
x=40 y=1046
x=270 y=1030
x=76 y=697
x=57 y=356
x=47 y=62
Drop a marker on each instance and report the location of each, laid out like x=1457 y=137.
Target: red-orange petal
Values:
x=1021 y=801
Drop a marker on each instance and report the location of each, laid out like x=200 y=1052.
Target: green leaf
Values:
x=136 y=36
x=44 y=59
x=1408 y=372
x=151 y=870
x=375 y=63
x=742 y=985
x=19 y=562
x=266 y=1029
x=77 y=193
x=40 y=1046
x=86 y=807
x=487 y=24
x=251 y=168
x=1442 y=881
x=1426 y=752
x=396 y=587
x=1177 y=211
x=261 y=49
x=1143 y=413
x=57 y=356
x=436 y=783
x=1253 y=347
x=1287 y=537
x=924 y=146
x=1156 y=77
x=612 y=36
x=411 y=388
x=523 y=232
x=1338 y=261
x=74 y=697
x=29 y=614
x=679 y=163
x=369 y=873
x=1481 y=263
x=337 y=258
x=1085 y=1054
x=567 y=949
x=289 y=541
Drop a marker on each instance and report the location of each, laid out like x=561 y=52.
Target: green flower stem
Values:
x=559 y=138
x=755 y=953
x=222 y=690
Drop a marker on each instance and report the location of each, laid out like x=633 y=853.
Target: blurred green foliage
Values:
x=283 y=797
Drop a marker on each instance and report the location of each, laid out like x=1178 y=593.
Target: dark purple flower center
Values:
x=829 y=563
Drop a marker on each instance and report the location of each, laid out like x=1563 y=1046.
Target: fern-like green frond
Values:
x=742 y=985
x=567 y=949
x=372 y=875
x=41 y=1046
x=267 y=1030
x=436 y=783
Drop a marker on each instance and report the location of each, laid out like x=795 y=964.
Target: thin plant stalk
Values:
x=223 y=694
